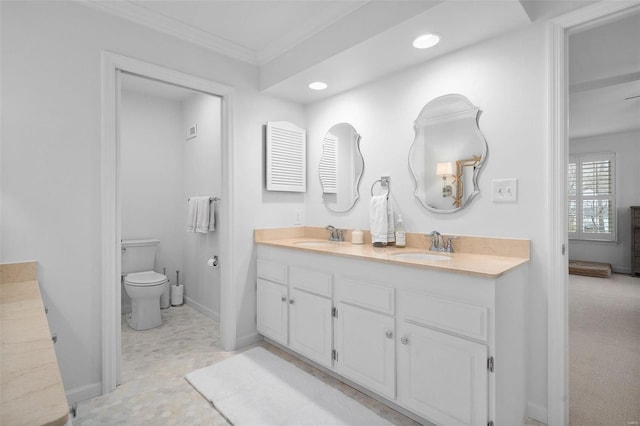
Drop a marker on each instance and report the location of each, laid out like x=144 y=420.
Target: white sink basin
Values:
x=419 y=256
x=318 y=243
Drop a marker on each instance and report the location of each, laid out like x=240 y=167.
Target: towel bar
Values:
x=210 y=199
x=385 y=182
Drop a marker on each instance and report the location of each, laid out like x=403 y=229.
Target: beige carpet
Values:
x=604 y=350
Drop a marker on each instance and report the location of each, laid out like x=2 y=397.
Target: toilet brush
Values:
x=177 y=292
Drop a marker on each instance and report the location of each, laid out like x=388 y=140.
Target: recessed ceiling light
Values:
x=318 y=85
x=426 y=41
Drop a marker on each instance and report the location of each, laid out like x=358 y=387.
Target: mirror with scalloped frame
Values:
x=447 y=154
x=341 y=167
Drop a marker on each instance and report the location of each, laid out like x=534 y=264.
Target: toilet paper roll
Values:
x=177 y=292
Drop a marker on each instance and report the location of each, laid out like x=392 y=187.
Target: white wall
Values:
x=202 y=176
x=626 y=146
x=51 y=162
x=151 y=174
x=255 y=206
x=507 y=78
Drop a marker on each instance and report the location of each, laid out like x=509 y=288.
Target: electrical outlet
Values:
x=298 y=217
x=504 y=190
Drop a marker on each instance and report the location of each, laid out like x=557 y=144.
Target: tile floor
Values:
x=154 y=391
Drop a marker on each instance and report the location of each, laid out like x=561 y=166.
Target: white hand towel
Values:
x=192 y=214
x=378 y=218
x=212 y=218
x=391 y=223
x=203 y=214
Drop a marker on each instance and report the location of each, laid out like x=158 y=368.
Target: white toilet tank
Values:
x=138 y=255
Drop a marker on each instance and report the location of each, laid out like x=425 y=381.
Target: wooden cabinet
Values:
x=422 y=339
x=635 y=240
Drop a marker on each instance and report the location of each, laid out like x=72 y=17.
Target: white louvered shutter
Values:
x=329 y=164
x=592 y=197
x=286 y=157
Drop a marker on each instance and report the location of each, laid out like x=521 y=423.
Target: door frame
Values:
x=112 y=65
x=558 y=153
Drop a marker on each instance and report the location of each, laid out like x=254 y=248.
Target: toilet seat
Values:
x=145 y=279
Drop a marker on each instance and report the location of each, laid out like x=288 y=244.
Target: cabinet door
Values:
x=310 y=327
x=441 y=377
x=365 y=344
x=272 y=311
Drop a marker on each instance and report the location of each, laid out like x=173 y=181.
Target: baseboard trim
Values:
x=248 y=339
x=202 y=309
x=84 y=393
x=621 y=269
x=537 y=412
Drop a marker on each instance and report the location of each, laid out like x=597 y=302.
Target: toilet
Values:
x=143 y=285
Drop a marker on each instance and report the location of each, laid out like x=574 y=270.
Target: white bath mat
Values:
x=259 y=388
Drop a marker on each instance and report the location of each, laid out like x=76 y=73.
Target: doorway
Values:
x=162 y=166
x=558 y=295
x=113 y=67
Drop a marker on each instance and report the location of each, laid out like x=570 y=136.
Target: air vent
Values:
x=286 y=157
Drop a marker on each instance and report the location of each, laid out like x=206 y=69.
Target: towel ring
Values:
x=385 y=182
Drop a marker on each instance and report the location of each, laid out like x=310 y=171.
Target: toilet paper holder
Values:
x=213 y=262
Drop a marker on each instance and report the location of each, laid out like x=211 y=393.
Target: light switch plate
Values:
x=504 y=190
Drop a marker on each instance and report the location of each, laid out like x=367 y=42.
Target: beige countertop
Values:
x=31 y=389
x=485 y=257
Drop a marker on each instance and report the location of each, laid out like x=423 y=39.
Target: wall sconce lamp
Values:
x=444 y=170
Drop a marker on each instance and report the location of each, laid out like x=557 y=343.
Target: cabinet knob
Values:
x=404 y=340
x=389 y=334
x=283 y=298
x=291 y=301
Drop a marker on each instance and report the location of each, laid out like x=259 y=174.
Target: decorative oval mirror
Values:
x=341 y=167
x=447 y=154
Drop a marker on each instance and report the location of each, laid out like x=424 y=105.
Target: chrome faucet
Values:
x=335 y=234
x=437 y=243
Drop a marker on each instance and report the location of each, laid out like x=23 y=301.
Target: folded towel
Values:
x=200 y=217
x=203 y=214
x=212 y=218
x=391 y=223
x=378 y=219
x=192 y=213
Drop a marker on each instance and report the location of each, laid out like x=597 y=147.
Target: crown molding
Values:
x=159 y=22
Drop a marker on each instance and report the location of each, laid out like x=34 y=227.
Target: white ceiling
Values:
x=293 y=42
x=604 y=70
x=346 y=42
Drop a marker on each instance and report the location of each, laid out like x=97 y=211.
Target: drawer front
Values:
x=635 y=217
x=315 y=282
x=272 y=271
x=366 y=295
x=446 y=314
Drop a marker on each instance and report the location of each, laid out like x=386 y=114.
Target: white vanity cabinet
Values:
x=447 y=347
x=310 y=325
x=294 y=308
x=272 y=312
x=365 y=334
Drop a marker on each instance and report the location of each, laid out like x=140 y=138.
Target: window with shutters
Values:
x=592 y=197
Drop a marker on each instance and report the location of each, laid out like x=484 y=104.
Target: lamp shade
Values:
x=445 y=169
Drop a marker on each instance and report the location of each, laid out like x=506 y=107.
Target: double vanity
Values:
x=438 y=336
